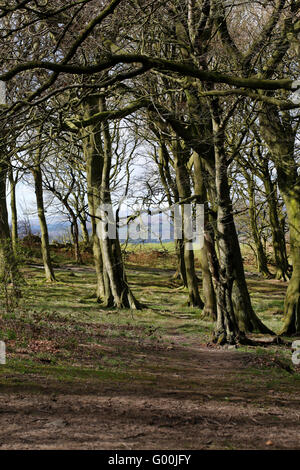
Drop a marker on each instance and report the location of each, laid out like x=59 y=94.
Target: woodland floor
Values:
x=81 y=377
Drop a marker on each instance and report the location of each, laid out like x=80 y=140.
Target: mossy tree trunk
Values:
x=184 y=190
x=170 y=187
x=110 y=246
x=75 y=237
x=279 y=135
x=292 y=299
x=8 y=265
x=226 y=329
x=13 y=208
x=261 y=257
x=210 y=307
x=74 y=229
x=233 y=289
x=180 y=272
x=84 y=230
x=112 y=285
x=36 y=171
x=93 y=152
x=278 y=235
x=38 y=188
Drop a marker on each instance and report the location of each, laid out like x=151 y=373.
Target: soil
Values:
x=187 y=397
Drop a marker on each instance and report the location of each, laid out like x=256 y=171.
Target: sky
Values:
x=26 y=208
x=149 y=228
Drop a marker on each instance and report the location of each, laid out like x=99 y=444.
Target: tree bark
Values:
x=84 y=231
x=180 y=269
x=292 y=299
x=230 y=258
x=92 y=145
x=75 y=237
x=38 y=187
x=210 y=307
x=184 y=191
x=8 y=265
x=261 y=258
x=110 y=247
x=278 y=235
x=112 y=286
x=279 y=136
x=226 y=329
x=172 y=194
x=13 y=207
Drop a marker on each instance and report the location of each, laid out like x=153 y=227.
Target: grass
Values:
x=16 y=368
x=60 y=331
x=73 y=295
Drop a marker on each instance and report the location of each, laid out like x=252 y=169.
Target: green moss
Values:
x=17 y=370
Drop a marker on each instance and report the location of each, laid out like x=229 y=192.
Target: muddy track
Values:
x=196 y=398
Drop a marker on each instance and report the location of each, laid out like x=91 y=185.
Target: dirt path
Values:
x=82 y=377
x=186 y=398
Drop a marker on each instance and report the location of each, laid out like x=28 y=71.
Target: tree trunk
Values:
x=84 y=231
x=78 y=257
x=93 y=152
x=279 y=135
x=171 y=190
x=8 y=265
x=112 y=286
x=38 y=187
x=13 y=207
x=230 y=258
x=226 y=328
x=180 y=269
x=210 y=307
x=110 y=247
x=261 y=258
x=75 y=236
x=278 y=236
x=184 y=191
x=292 y=299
